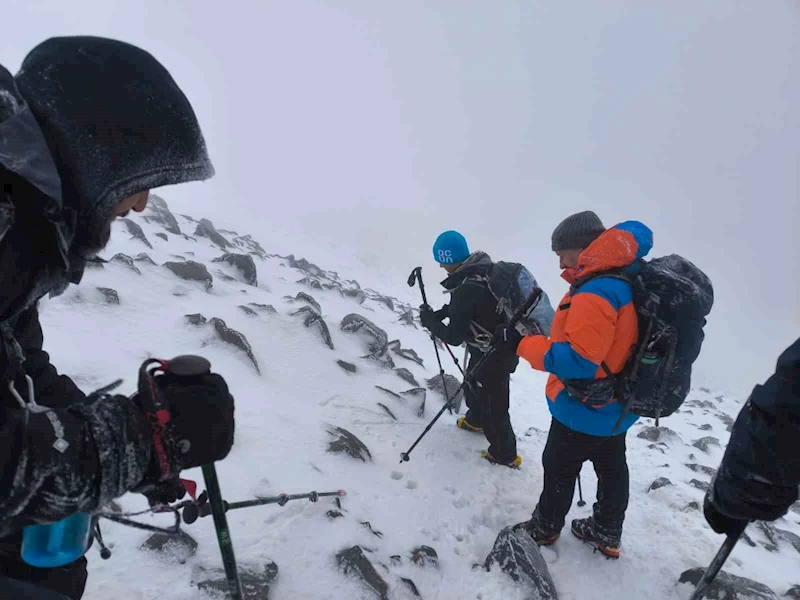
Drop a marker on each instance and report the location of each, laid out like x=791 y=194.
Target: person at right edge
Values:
x=87 y=127
x=595 y=326
x=759 y=475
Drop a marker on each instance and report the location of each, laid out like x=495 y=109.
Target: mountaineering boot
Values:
x=588 y=531
x=538 y=531
x=462 y=423
x=514 y=464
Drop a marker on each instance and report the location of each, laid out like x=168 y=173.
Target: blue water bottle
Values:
x=57 y=544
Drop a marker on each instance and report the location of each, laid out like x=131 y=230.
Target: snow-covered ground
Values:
x=446 y=497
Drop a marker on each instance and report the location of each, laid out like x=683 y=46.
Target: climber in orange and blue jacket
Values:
x=595 y=328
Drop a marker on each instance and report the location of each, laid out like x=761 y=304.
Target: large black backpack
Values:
x=672 y=298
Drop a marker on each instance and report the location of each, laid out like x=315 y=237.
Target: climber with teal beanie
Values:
x=473 y=317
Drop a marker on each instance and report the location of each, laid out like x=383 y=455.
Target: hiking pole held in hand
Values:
x=524 y=310
x=194 y=511
x=223 y=533
x=716 y=565
x=416 y=276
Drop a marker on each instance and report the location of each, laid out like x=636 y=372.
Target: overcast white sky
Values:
x=369 y=127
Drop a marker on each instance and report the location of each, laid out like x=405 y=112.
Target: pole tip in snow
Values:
x=404 y=458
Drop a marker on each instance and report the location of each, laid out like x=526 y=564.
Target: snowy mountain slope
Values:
x=293 y=390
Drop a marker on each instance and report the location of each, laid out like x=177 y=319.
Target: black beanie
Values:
x=577 y=231
x=115 y=121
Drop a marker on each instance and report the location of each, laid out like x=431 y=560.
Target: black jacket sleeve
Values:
x=461 y=311
x=759 y=475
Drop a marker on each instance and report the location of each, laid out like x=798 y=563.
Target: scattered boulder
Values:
x=354 y=563
x=701 y=469
x=314 y=284
x=437 y=385
x=265 y=308
x=255 y=584
x=244 y=263
x=385 y=300
x=518 y=556
x=727 y=420
x=160 y=213
x=196 y=319
x=788 y=536
x=411 y=355
x=303 y=297
x=379 y=342
x=313 y=318
x=350 y=367
x=407 y=318
x=354 y=293
x=179 y=257
x=659 y=483
x=179 y=547
x=248 y=241
x=206 y=229
x=691 y=506
x=144 y=257
x=233 y=337
x=394 y=395
x=303 y=265
x=707 y=404
x=163 y=236
x=700 y=485
x=424 y=555
x=729 y=587
x=705 y=443
x=656 y=447
x=413 y=587
x=793 y=592
x=348 y=443
x=189 y=238
x=407 y=376
x=248 y=311
x=112 y=297
x=136 y=232
x=387 y=411
x=420 y=395
x=334 y=514
x=124 y=259
x=192 y=271
x=95 y=262
x=658 y=434
x=705 y=427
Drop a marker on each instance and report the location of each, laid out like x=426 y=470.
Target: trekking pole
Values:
x=193 y=511
x=524 y=310
x=455 y=360
x=722 y=555
x=580 y=492
x=416 y=276
x=223 y=533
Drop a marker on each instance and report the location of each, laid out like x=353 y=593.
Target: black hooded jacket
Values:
x=87 y=123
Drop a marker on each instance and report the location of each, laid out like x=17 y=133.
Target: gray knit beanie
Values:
x=577 y=231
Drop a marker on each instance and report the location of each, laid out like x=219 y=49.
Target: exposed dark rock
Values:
x=255 y=585
x=265 y=308
x=191 y=271
x=313 y=318
x=705 y=427
x=124 y=259
x=419 y=394
x=659 y=483
x=406 y=376
x=424 y=555
x=407 y=318
x=303 y=265
x=188 y=237
x=346 y=366
x=748 y=540
x=244 y=263
x=707 y=404
x=700 y=485
x=437 y=385
x=163 y=236
x=517 y=555
x=180 y=547
x=334 y=514
x=413 y=587
x=303 y=297
x=706 y=442
x=314 y=284
x=112 y=297
x=793 y=592
x=788 y=536
x=385 y=300
x=354 y=563
x=144 y=257
x=658 y=434
x=136 y=232
x=348 y=443
x=387 y=411
x=379 y=342
x=248 y=241
x=692 y=506
x=411 y=355
x=248 y=311
x=727 y=420
x=354 y=293
x=702 y=469
x=656 y=447
x=196 y=319
x=729 y=587
x=233 y=337
x=160 y=213
x=206 y=229
x=95 y=262
x=374 y=532
x=394 y=395
x=179 y=257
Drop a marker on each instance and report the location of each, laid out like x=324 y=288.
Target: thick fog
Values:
x=356 y=133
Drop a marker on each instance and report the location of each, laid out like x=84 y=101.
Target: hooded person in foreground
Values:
x=87 y=127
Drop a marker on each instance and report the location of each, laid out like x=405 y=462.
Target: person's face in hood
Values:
x=137 y=203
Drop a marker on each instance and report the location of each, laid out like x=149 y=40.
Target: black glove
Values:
x=166 y=492
x=427 y=316
x=720 y=522
x=506 y=337
x=190 y=414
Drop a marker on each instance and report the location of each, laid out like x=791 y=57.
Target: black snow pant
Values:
x=488 y=400
x=61 y=582
x=564 y=454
